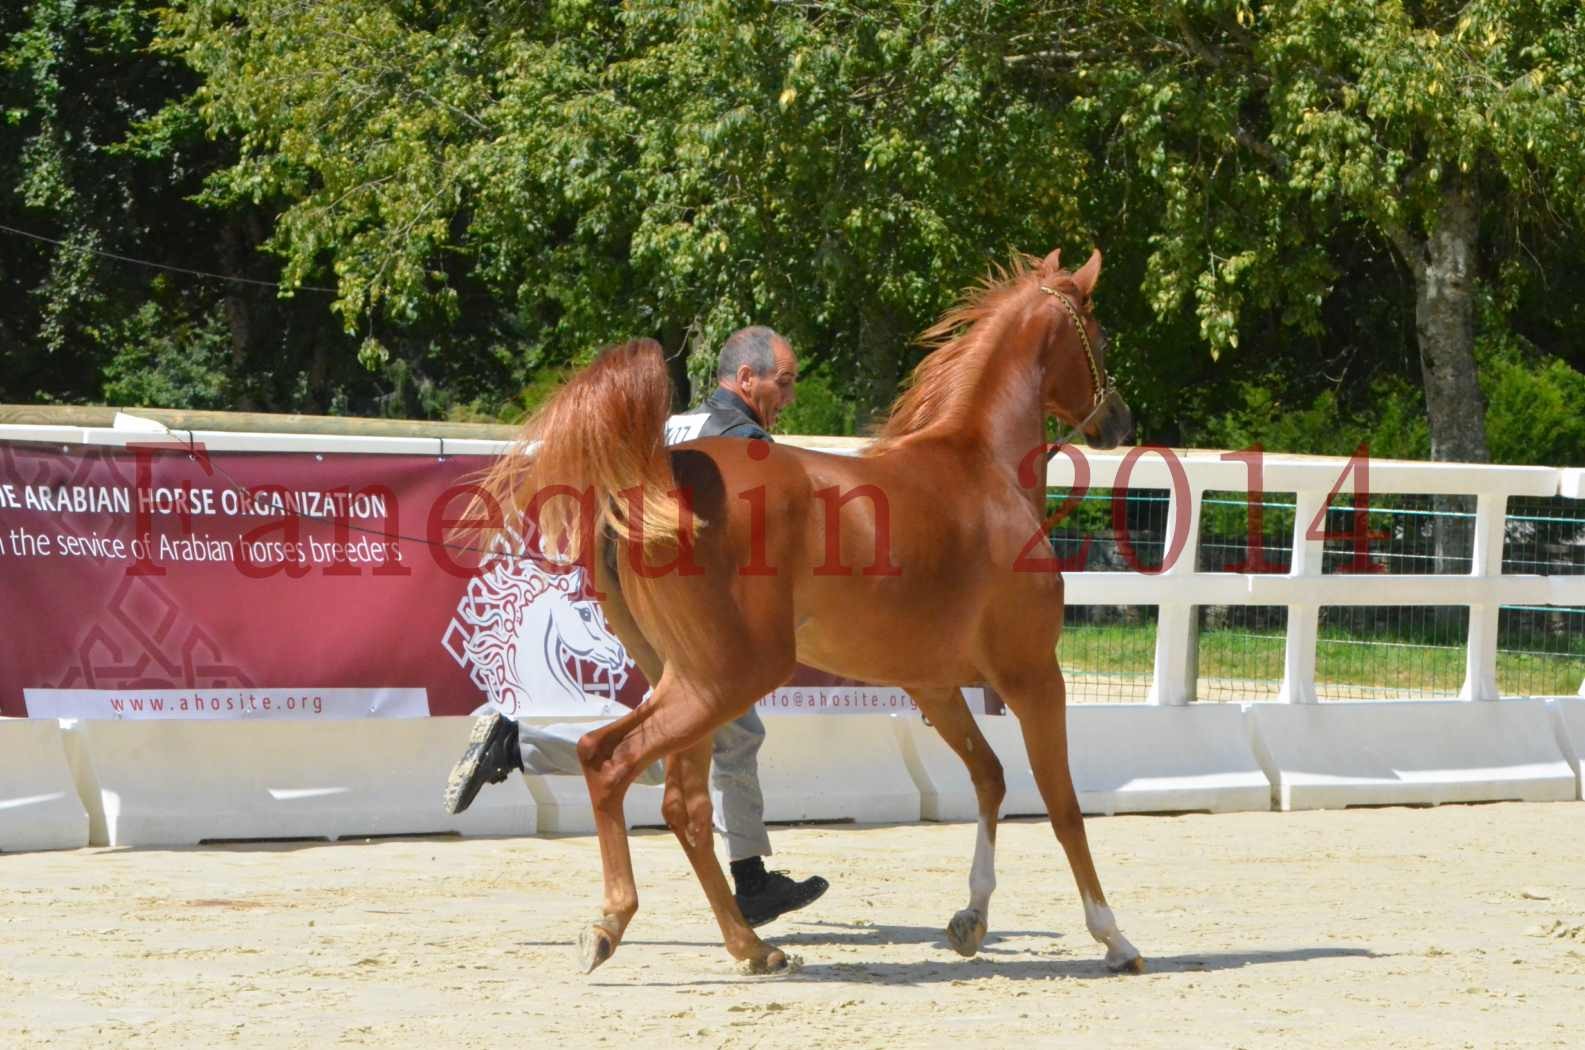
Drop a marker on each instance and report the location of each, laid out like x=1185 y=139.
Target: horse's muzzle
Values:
x=1113 y=426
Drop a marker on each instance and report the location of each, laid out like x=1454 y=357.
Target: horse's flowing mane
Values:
x=953 y=363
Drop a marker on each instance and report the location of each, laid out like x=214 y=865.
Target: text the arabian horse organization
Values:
x=721 y=563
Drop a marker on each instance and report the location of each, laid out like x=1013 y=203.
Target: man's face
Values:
x=769 y=394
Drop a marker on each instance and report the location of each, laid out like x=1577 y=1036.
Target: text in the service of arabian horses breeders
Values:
x=222 y=524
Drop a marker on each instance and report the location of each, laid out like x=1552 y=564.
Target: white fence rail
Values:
x=152 y=784
x=1178 y=589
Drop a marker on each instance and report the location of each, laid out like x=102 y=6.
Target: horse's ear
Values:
x=1052 y=263
x=1085 y=277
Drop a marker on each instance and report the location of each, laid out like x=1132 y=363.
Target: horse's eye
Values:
x=584 y=613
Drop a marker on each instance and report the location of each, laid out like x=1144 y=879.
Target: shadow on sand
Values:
x=998 y=957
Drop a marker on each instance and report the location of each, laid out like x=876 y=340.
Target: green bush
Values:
x=1391 y=420
x=166 y=359
x=818 y=409
x=1535 y=408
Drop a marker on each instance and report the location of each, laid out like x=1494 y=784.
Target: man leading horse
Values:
x=756 y=377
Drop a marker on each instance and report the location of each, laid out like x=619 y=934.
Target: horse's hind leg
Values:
x=687 y=809
x=675 y=718
x=1040 y=702
x=951 y=718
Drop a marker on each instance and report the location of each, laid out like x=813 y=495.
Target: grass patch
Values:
x=1340 y=658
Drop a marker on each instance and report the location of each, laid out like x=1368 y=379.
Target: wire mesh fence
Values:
x=1241 y=652
x=1108 y=652
x=1241 y=646
x=1362 y=652
x=1410 y=652
x=1541 y=649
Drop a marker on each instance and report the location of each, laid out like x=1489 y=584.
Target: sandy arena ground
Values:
x=1453 y=927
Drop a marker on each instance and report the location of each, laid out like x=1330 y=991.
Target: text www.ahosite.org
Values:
x=234 y=702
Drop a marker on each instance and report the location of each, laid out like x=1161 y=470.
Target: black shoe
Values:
x=492 y=756
x=776 y=895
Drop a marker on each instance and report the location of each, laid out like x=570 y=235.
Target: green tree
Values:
x=1449 y=131
x=494 y=192
x=100 y=294
x=73 y=83
x=150 y=285
x=838 y=170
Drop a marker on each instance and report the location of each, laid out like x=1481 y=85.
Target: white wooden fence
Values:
x=153 y=783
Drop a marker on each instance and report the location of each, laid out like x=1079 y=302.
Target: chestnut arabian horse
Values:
x=921 y=563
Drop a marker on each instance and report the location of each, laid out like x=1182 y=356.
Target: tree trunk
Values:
x=881 y=340
x=674 y=343
x=239 y=313
x=1443 y=265
x=1445 y=325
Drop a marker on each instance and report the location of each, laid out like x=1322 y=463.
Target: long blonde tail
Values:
x=579 y=458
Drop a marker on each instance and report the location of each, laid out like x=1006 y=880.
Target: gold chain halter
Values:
x=1103 y=387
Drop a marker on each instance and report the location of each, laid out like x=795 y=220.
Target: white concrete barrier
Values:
x=1332 y=755
x=179 y=783
x=843 y=767
x=563 y=804
x=1568 y=717
x=836 y=767
x=563 y=801
x=1126 y=758
x=39 y=807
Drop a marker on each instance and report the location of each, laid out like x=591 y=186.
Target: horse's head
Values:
x=1076 y=389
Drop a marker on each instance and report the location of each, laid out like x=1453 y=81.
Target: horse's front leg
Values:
x=1038 y=698
x=609 y=765
x=951 y=718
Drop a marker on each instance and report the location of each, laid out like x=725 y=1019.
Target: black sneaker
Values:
x=492 y=756
x=776 y=895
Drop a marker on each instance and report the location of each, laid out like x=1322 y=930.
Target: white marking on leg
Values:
x=966 y=931
x=1103 y=927
x=982 y=877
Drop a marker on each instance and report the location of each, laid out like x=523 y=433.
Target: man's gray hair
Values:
x=752 y=346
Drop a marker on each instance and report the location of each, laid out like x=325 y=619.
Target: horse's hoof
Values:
x=773 y=961
x=1130 y=964
x=596 y=944
x=966 y=932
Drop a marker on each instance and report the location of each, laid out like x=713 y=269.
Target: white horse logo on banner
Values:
x=532 y=642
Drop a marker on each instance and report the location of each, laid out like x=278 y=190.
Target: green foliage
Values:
x=1391 y=423
x=1246 y=138
x=1535 y=409
x=491 y=192
x=818 y=409
x=170 y=361
x=100 y=153
x=67 y=76
x=656 y=168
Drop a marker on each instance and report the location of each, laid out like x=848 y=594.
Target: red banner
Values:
x=166 y=581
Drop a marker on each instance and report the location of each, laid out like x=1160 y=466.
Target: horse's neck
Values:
x=999 y=412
